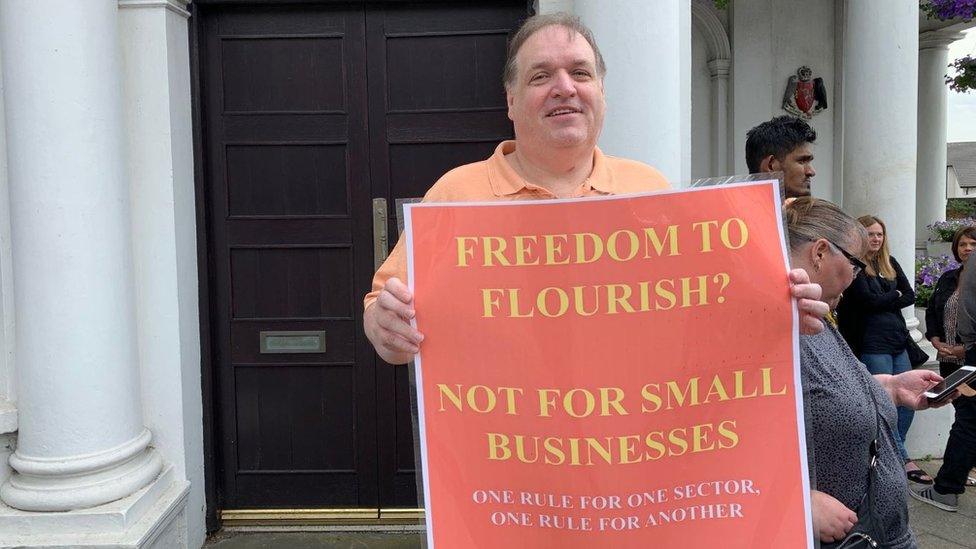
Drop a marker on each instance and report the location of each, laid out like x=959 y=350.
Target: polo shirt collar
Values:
x=505 y=181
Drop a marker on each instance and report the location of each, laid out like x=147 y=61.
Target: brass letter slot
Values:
x=292 y=342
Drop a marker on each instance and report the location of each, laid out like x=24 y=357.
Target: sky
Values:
x=962 y=106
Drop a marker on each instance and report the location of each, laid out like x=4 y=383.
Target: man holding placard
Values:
x=554 y=86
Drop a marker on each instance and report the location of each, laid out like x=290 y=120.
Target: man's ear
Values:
x=510 y=99
x=769 y=164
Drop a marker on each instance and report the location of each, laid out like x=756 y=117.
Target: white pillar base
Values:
x=8 y=441
x=153 y=517
x=79 y=482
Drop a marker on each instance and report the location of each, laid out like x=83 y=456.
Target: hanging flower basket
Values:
x=949 y=9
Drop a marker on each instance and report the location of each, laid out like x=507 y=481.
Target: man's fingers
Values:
x=399 y=290
x=395 y=342
x=388 y=301
x=395 y=324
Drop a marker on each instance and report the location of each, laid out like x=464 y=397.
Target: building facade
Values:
x=188 y=221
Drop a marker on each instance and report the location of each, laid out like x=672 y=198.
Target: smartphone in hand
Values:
x=947 y=386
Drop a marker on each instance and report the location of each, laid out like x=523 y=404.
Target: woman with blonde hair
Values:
x=869 y=317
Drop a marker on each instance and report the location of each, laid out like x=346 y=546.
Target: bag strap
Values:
x=873 y=447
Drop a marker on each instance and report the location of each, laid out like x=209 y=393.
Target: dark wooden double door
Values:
x=309 y=111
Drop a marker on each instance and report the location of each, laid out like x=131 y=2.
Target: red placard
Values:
x=610 y=372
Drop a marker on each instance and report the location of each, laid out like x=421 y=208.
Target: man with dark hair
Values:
x=783 y=145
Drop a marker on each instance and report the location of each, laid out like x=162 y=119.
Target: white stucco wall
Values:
x=701 y=109
x=7 y=374
x=770 y=40
x=648 y=82
x=551 y=6
x=8 y=410
x=157 y=106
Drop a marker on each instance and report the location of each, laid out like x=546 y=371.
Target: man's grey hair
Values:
x=538 y=22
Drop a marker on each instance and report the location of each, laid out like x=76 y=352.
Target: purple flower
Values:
x=944 y=230
x=927 y=273
x=950 y=9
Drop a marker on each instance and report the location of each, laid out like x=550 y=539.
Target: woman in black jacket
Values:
x=869 y=317
x=940 y=328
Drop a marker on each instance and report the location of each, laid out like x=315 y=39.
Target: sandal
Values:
x=919 y=476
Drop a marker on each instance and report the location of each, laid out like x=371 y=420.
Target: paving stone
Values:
x=308 y=540
x=935 y=529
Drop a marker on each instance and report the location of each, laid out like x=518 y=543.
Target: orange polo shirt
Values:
x=494 y=179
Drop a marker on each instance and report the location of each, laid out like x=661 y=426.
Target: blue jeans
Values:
x=893 y=365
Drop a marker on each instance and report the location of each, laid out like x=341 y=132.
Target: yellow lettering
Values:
x=554 y=248
x=597 y=242
x=743 y=231
x=523 y=249
x=652 y=397
x=455 y=398
x=614 y=400
x=498 y=447
x=542 y=302
x=612 y=250
x=651 y=239
x=463 y=250
x=495 y=249
x=614 y=299
x=767 y=383
x=706 y=233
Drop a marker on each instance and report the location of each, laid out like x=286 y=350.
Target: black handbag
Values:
x=868 y=532
x=916 y=355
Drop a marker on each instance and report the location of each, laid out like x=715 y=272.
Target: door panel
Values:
x=436 y=101
x=309 y=111
x=291 y=247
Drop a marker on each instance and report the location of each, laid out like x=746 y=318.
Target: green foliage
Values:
x=965 y=78
x=959 y=208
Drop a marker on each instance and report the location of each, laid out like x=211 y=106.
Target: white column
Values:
x=81 y=439
x=718 y=70
x=647 y=47
x=156 y=100
x=880 y=102
x=933 y=59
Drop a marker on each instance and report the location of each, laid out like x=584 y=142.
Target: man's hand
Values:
x=387 y=323
x=807 y=296
x=907 y=389
x=832 y=520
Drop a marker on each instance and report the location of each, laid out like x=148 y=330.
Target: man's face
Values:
x=797 y=170
x=557 y=98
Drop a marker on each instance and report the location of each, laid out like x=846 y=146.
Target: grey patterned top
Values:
x=949 y=321
x=841 y=425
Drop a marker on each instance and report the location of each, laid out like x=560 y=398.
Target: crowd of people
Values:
x=860 y=388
